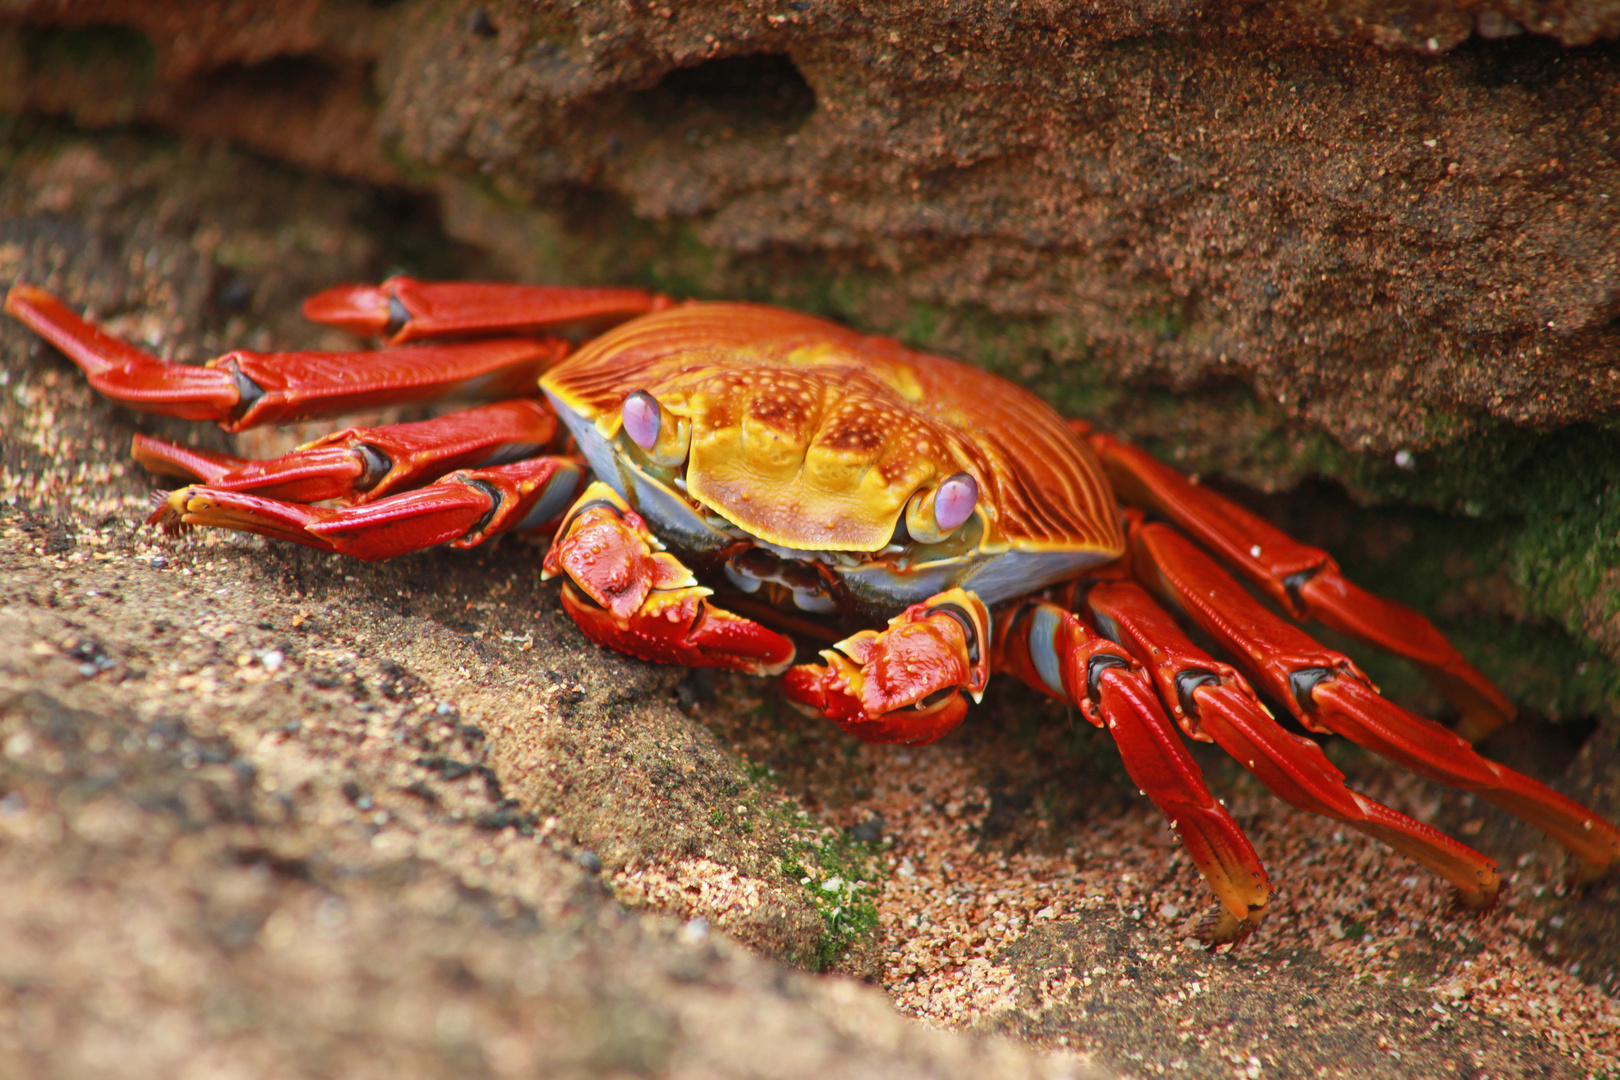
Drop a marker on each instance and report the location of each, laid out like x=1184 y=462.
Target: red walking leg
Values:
x=630 y=595
x=1052 y=650
x=463 y=509
x=403 y=309
x=361 y=465
x=1304 y=581
x=1326 y=691
x=242 y=389
x=1211 y=701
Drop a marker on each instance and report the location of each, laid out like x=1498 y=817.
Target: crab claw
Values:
x=903 y=684
x=627 y=595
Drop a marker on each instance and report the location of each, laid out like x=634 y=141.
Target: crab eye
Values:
x=662 y=432
x=931 y=516
x=955 y=501
x=642 y=419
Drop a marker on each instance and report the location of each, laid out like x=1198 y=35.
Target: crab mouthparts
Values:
x=756 y=567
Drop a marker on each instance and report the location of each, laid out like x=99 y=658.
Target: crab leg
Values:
x=1210 y=701
x=1303 y=580
x=462 y=509
x=902 y=684
x=403 y=309
x=242 y=389
x=628 y=594
x=361 y=465
x=1049 y=648
x=1326 y=691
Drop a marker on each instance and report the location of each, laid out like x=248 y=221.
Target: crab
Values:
x=730 y=478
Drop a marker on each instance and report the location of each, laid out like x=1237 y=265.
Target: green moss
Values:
x=842 y=878
x=1167 y=317
x=1544 y=501
x=1500 y=471
x=1566 y=564
x=1545 y=671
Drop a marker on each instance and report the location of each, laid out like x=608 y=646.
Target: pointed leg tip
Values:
x=1475 y=901
x=1477 y=723
x=360 y=309
x=23 y=293
x=168 y=512
x=1221 y=927
x=17 y=294
x=24 y=301
x=1583 y=872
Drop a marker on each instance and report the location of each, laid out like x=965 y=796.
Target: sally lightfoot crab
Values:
x=760 y=473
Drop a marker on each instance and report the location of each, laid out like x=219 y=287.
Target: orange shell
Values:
x=811 y=436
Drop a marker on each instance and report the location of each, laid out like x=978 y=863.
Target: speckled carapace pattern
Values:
x=811 y=436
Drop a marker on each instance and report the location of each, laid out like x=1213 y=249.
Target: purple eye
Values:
x=642 y=419
x=955 y=501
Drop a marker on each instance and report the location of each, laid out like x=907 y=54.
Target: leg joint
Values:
x=1304 y=680
x=1189 y=680
x=1293 y=583
x=1099 y=663
x=969 y=633
x=495 y=500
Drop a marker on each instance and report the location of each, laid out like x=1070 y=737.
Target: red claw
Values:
x=627 y=596
x=903 y=684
